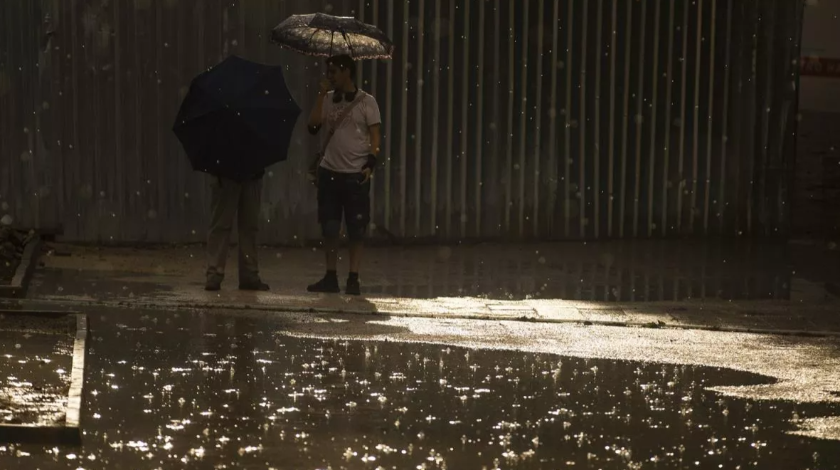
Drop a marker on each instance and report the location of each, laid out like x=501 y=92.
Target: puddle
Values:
x=35 y=364
x=215 y=391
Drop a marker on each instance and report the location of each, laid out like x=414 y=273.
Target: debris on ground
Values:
x=12 y=244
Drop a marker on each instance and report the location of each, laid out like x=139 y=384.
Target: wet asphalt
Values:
x=191 y=389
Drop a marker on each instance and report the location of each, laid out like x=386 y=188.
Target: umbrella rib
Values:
x=317 y=30
x=349 y=44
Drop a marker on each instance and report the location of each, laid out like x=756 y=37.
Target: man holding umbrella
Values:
x=351 y=119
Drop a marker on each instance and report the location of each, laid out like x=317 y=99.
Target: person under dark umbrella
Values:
x=236 y=120
x=343 y=174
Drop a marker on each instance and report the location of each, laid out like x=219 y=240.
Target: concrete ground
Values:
x=695 y=330
x=769 y=288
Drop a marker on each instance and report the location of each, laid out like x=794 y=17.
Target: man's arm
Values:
x=316 y=117
x=375 y=143
x=375 y=139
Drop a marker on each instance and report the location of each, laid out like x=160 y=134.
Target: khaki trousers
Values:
x=233 y=200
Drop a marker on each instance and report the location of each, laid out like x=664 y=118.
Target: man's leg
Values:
x=248 y=224
x=331 y=246
x=329 y=216
x=224 y=197
x=357 y=214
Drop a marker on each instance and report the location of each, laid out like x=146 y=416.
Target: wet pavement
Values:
x=35 y=360
x=679 y=284
x=604 y=272
x=193 y=389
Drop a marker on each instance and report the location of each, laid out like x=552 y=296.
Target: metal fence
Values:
x=504 y=119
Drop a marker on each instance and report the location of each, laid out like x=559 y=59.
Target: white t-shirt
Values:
x=350 y=145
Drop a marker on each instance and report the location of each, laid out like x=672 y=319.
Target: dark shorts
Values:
x=343 y=196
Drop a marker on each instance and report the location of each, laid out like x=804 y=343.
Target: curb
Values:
x=23 y=274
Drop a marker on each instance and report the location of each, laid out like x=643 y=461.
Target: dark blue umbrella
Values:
x=237 y=119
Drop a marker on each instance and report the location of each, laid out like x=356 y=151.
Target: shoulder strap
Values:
x=342 y=117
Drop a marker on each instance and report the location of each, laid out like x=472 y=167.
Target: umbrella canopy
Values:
x=323 y=35
x=237 y=119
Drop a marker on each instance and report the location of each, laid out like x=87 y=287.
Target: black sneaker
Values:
x=254 y=286
x=213 y=286
x=354 y=287
x=327 y=285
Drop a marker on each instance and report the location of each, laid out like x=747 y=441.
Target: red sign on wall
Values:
x=820 y=67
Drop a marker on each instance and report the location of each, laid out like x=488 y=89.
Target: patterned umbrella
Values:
x=323 y=35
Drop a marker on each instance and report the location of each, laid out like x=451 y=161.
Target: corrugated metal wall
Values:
x=526 y=119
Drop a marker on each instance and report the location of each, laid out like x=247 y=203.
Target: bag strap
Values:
x=341 y=118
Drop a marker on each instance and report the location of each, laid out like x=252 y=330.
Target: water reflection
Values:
x=196 y=391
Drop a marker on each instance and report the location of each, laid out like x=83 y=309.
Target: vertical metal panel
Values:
x=479 y=118
x=403 y=170
x=537 y=186
x=681 y=185
x=519 y=169
x=567 y=156
x=611 y=150
x=582 y=183
x=465 y=120
x=668 y=125
x=639 y=117
x=436 y=118
x=374 y=81
x=552 y=130
x=418 y=120
x=654 y=108
x=389 y=119
x=495 y=142
x=508 y=167
x=85 y=122
x=695 y=136
x=725 y=125
x=450 y=118
x=596 y=193
x=710 y=120
x=625 y=123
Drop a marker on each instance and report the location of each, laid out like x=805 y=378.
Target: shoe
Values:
x=354 y=287
x=327 y=285
x=254 y=286
x=213 y=286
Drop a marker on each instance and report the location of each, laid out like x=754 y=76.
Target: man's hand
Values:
x=325 y=87
x=369 y=167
